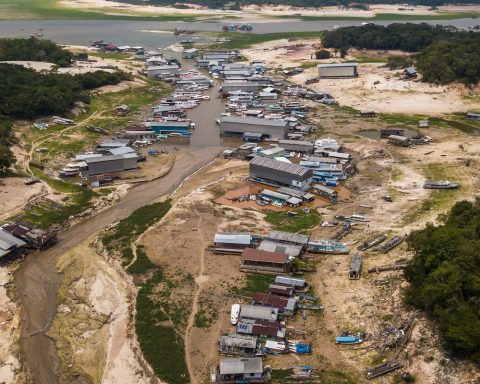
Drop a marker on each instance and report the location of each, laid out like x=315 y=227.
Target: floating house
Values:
x=297 y=146
x=296 y=283
x=286 y=306
x=288 y=238
x=281 y=290
x=237 y=126
x=163 y=127
x=399 y=141
x=190 y=53
x=239 y=370
x=232 y=242
x=255 y=260
x=292 y=250
x=237 y=344
x=257 y=312
x=34 y=237
x=324 y=191
x=261 y=328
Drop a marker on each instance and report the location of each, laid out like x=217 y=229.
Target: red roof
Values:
x=265 y=328
x=270 y=300
x=250 y=254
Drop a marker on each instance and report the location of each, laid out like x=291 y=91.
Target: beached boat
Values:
x=346 y=340
x=235 y=311
x=327 y=246
x=440 y=184
x=371 y=243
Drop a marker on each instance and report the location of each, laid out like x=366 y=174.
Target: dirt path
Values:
x=200 y=280
x=37 y=281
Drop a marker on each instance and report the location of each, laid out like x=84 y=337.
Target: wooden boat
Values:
x=441 y=184
x=371 y=243
x=390 y=244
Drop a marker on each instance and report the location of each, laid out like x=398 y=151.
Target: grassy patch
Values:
x=207 y=313
x=336 y=377
x=254 y=283
x=438 y=200
x=370 y=59
x=287 y=223
x=142 y=264
x=470 y=128
x=45 y=215
x=128 y=229
x=162 y=347
x=53 y=10
x=240 y=40
x=400 y=118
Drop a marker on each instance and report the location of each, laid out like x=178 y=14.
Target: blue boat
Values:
x=348 y=340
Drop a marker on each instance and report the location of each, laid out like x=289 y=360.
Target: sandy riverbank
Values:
x=256 y=12
x=376 y=88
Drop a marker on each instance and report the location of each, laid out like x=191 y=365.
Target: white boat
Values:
x=235 y=311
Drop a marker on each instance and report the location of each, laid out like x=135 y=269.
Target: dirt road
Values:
x=37 y=280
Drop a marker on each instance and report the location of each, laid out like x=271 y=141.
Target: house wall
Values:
x=341 y=71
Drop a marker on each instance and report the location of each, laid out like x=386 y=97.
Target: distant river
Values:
x=81 y=32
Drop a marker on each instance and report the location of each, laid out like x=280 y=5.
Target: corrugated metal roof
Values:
x=275 y=195
x=8 y=241
x=288 y=237
x=110 y=158
x=256 y=255
x=295 y=142
x=232 y=366
x=233 y=238
x=258 y=312
x=238 y=340
x=292 y=250
x=290 y=281
x=120 y=151
x=253 y=121
x=279 y=166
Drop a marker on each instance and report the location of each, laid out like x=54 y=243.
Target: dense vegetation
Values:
x=446 y=55
x=407 y=37
x=444 y=277
x=26 y=94
x=453 y=59
x=6 y=140
x=34 y=50
x=295 y=3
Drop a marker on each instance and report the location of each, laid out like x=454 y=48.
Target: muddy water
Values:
x=37 y=281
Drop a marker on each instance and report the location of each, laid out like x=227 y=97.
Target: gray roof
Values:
x=288 y=237
x=233 y=238
x=275 y=195
x=238 y=340
x=258 y=312
x=253 y=121
x=120 y=151
x=280 y=165
x=337 y=65
x=168 y=124
x=242 y=365
x=272 y=246
x=114 y=143
x=191 y=50
x=295 y=142
x=9 y=242
x=290 y=281
x=253 y=134
x=110 y=158
x=291 y=192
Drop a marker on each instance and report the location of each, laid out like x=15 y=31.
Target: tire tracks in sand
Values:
x=199 y=281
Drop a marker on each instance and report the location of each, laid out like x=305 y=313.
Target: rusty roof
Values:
x=250 y=254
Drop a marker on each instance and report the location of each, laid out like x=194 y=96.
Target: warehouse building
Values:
x=237 y=126
x=279 y=173
x=326 y=71
x=110 y=164
x=163 y=70
x=190 y=53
